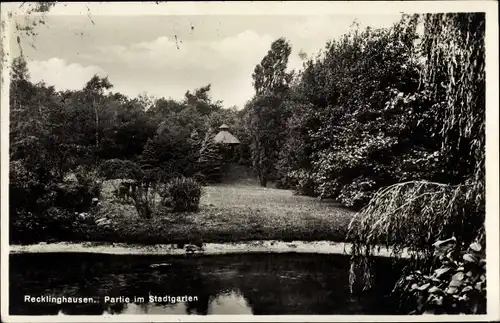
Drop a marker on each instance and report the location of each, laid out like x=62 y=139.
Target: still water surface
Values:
x=259 y=284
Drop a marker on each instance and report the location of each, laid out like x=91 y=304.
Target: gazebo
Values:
x=225 y=137
x=228 y=142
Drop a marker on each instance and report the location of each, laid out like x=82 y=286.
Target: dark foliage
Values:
x=455 y=285
x=118 y=168
x=210 y=161
x=182 y=195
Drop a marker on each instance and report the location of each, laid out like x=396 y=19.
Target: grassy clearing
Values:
x=232 y=213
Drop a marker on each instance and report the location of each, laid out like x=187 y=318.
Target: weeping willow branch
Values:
x=410 y=216
x=454 y=72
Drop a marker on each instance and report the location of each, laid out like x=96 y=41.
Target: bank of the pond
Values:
x=270 y=246
x=228 y=213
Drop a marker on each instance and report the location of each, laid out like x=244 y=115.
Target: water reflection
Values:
x=227 y=303
x=230 y=303
x=258 y=284
x=178 y=309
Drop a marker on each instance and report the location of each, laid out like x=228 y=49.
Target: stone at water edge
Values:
x=190 y=249
x=160 y=265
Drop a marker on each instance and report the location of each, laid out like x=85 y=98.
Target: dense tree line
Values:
x=360 y=116
x=97 y=134
x=52 y=131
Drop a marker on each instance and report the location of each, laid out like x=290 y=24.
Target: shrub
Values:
x=123 y=191
x=182 y=195
x=286 y=181
x=58 y=221
x=33 y=204
x=71 y=196
x=90 y=181
x=26 y=193
x=52 y=224
x=456 y=286
x=46 y=210
x=25 y=227
x=144 y=195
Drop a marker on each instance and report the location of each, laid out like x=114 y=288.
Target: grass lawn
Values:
x=232 y=213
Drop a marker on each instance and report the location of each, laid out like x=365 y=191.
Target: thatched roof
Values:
x=225 y=137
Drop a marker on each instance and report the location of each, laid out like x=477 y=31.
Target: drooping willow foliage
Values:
x=454 y=74
x=410 y=216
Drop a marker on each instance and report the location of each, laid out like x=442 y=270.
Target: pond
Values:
x=259 y=284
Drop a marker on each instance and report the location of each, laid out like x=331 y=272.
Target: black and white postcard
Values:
x=249 y=161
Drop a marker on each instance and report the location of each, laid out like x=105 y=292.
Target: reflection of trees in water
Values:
x=142 y=281
x=197 y=287
x=116 y=308
x=176 y=279
x=257 y=276
x=83 y=309
x=308 y=284
x=18 y=307
x=270 y=284
x=293 y=284
x=46 y=275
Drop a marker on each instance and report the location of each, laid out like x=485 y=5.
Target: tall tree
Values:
x=94 y=92
x=270 y=76
x=19 y=76
x=271 y=82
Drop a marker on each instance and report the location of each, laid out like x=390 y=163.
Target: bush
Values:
x=456 y=286
x=304 y=182
x=72 y=196
x=46 y=210
x=182 y=195
x=286 y=181
x=26 y=193
x=144 y=195
x=35 y=198
x=25 y=227
x=52 y=224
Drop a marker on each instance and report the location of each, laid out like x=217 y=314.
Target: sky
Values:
x=167 y=55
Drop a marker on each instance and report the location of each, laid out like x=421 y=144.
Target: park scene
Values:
x=351 y=184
